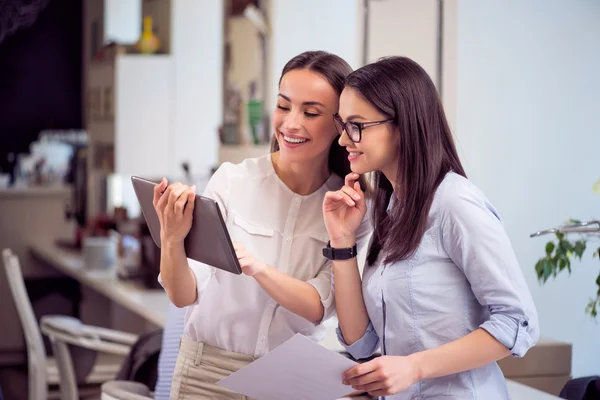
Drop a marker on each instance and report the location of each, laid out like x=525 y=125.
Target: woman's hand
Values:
x=251 y=266
x=383 y=376
x=174 y=205
x=343 y=212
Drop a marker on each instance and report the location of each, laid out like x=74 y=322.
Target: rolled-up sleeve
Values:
x=474 y=238
x=323 y=282
x=203 y=274
x=364 y=347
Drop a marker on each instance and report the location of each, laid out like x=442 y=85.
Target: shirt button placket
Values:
x=283 y=265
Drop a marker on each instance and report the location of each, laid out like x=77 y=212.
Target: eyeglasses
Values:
x=354 y=129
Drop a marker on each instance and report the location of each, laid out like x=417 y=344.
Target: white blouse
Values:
x=281 y=228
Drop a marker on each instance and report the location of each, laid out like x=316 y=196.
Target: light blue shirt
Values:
x=463 y=276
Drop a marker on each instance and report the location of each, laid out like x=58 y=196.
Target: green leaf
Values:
x=575 y=221
x=569 y=266
x=579 y=248
x=591 y=308
x=560 y=235
x=547 y=270
x=560 y=249
x=597 y=252
x=562 y=264
x=550 y=248
x=564 y=248
x=568 y=246
x=539 y=269
x=598 y=284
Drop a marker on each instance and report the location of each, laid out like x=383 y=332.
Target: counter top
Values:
x=150 y=304
x=54 y=190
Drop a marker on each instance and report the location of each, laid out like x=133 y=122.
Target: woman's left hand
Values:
x=250 y=264
x=383 y=376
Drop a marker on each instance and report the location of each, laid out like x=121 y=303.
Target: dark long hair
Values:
x=399 y=88
x=335 y=70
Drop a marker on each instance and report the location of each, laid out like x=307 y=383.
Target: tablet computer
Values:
x=208 y=240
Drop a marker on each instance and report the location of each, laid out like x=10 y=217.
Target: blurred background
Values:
x=95 y=91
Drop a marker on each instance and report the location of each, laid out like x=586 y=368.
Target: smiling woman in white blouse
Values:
x=442 y=294
x=273 y=210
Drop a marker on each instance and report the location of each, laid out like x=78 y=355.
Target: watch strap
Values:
x=339 y=254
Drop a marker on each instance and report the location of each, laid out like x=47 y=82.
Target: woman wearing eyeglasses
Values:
x=442 y=295
x=273 y=210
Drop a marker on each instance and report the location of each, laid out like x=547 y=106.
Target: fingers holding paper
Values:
x=383 y=376
x=250 y=265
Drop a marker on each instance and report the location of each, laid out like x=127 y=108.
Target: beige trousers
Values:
x=200 y=366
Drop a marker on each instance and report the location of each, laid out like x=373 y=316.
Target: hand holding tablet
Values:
x=208 y=240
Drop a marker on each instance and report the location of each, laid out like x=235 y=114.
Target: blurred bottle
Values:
x=148 y=43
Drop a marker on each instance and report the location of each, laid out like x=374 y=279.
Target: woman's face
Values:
x=378 y=146
x=303 y=117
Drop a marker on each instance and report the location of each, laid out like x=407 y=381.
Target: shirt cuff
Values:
x=364 y=347
x=325 y=289
x=203 y=274
x=518 y=335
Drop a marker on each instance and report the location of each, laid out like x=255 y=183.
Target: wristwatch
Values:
x=339 y=254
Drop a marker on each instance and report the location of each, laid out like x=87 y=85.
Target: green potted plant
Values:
x=571 y=242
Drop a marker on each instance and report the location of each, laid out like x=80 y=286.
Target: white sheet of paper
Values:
x=297 y=369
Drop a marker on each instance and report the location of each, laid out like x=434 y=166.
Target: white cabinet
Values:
x=148 y=114
x=130 y=109
x=129 y=120
x=143 y=115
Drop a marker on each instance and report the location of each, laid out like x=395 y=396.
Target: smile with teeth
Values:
x=293 y=140
x=354 y=153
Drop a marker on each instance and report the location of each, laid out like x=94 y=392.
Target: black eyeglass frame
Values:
x=341 y=126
